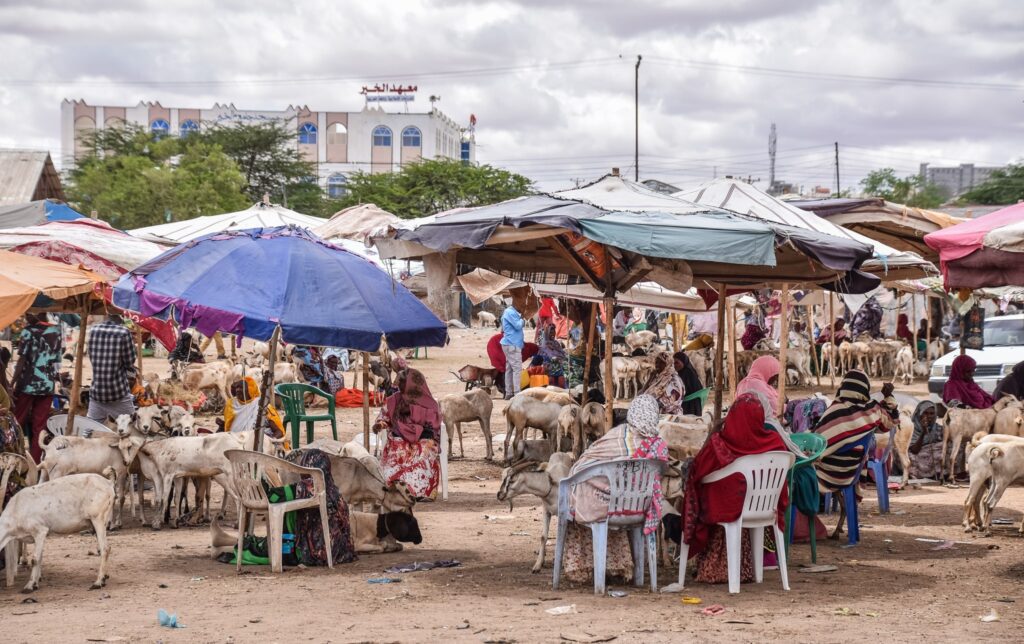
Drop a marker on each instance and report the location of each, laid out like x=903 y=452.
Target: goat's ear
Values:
x=135 y=416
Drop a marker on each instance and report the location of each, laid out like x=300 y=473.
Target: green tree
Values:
x=908 y=190
x=434 y=185
x=1004 y=186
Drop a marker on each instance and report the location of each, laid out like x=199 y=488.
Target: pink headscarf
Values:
x=761 y=371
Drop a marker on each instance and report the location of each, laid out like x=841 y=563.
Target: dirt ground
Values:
x=890 y=586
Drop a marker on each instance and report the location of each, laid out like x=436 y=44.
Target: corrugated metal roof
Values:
x=21 y=172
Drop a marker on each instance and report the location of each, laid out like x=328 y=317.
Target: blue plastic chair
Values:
x=880 y=472
x=850 y=491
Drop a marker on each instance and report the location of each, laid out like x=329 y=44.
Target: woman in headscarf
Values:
x=753 y=334
x=552 y=353
x=312 y=367
x=412 y=419
x=836 y=335
x=961 y=386
x=1013 y=384
x=926 y=442
x=903 y=331
x=851 y=417
x=744 y=432
x=691 y=382
x=334 y=373
x=637 y=438
x=868 y=319
x=762 y=380
x=241 y=409
x=665 y=385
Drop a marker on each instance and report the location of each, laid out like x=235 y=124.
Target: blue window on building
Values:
x=411 y=137
x=337 y=186
x=188 y=127
x=160 y=128
x=465 y=151
x=307 y=133
x=382 y=136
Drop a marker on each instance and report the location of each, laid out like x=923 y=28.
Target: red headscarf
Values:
x=903 y=331
x=412 y=409
x=743 y=433
x=968 y=393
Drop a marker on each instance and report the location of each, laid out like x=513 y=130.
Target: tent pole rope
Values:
x=592 y=327
x=76 y=383
x=719 y=347
x=265 y=395
x=783 y=346
x=366 y=399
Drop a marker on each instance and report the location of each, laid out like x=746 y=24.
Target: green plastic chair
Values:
x=813 y=446
x=701 y=394
x=293 y=397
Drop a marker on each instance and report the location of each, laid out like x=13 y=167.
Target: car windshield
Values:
x=1003 y=332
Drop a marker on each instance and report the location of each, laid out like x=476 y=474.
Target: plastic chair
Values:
x=293 y=396
x=631 y=492
x=811 y=447
x=850 y=491
x=416 y=353
x=880 y=472
x=84 y=427
x=765 y=474
x=247 y=471
x=701 y=394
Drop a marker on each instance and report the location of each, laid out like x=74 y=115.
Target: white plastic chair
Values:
x=247 y=478
x=631 y=492
x=84 y=427
x=765 y=474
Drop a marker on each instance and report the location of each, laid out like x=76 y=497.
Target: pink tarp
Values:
x=983 y=252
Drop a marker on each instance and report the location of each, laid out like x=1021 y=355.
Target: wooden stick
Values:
x=783 y=346
x=730 y=332
x=265 y=394
x=810 y=338
x=832 y=333
x=366 y=400
x=928 y=332
x=609 y=394
x=76 y=381
x=913 y=340
x=592 y=328
x=719 y=348
x=138 y=352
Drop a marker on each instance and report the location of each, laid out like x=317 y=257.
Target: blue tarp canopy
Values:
x=247 y=282
x=59 y=211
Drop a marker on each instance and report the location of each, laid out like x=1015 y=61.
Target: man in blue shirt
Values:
x=512 y=345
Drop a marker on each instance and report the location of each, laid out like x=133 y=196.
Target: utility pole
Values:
x=636 y=119
x=837 y=170
x=771 y=161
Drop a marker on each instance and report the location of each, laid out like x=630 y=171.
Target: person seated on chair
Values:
x=962 y=388
x=412 y=418
x=636 y=438
x=665 y=385
x=691 y=383
x=851 y=417
x=761 y=381
x=240 y=411
x=743 y=432
x=334 y=374
x=312 y=366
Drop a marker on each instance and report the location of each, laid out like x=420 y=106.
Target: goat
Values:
x=531 y=450
x=541 y=480
x=359 y=477
x=994 y=464
x=524 y=412
x=209 y=375
x=684 y=437
x=470 y=406
x=549 y=394
x=640 y=340
x=486 y=319
x=590 y=425
x=63 y=506
x=904 y=369
x=624 y=374
x=962 y=424
x=901 y=443
x=1009 y=419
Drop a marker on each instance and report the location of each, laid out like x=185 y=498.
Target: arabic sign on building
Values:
x=387 y=93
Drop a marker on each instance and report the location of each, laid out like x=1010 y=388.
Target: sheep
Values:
x=62 y=506
x=549 y=394
x=640 y=340
x=470 y=406
x=523 y=412
x=961 y=424
x=541 y=480
x=684 y=437
x=1009 y=419
x=995 y=463
x=486 y=319
x=701 y=362
x=904 y=368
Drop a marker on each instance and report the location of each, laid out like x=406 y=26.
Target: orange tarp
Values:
x=23 y=278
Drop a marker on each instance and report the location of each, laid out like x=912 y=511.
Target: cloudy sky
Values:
x=895 y=82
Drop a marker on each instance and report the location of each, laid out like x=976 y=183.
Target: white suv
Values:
x=1004 y=347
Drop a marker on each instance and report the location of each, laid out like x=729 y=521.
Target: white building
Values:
x=339 y=143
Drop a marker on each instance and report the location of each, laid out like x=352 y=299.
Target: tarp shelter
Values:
x=35 y=213
x=886 y=262
x=261 y=215
x=23 y=279
x=94 y=244
x=358 y=223
x=248 y=282
x=896 y=225
x=983 y=252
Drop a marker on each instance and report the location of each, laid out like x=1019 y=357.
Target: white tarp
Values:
x=90 y=235
x=259 y=216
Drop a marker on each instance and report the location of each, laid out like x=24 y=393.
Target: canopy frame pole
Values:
x=138 y=353
x=719 y=348
x=811 y=347
x=76 y=382
x=265 y=395
x=928 y=331
x=591 y=328
x=783 y=346
x=913 y=336
x=365 y=357
x=730 y=331
x=609 y=394
x=832 y=340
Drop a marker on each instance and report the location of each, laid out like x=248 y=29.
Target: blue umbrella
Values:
x=247 y=282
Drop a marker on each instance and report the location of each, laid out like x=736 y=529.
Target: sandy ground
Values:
x=891 y=586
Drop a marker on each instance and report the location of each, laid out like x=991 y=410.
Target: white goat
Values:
x=995 y=463
x=541 y=480
x=523 y=412
x=474 y=405
x=961 y=424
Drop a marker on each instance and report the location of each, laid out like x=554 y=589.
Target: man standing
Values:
x=39 y=358
x=112 y=354
x=512 y=346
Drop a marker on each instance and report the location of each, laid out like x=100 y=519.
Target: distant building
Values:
x=956 y=180
x=28 y=175
x=339 y=143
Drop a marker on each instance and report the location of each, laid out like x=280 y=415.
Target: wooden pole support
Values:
x=835 y=347
x=609 y=394
x=810 y=339
x=591 y=329
x=783 y=346
x=266 y=395
x=719 y=348
x=366 y=399
x=914 y=321
x=76 y=381
x=730 y=332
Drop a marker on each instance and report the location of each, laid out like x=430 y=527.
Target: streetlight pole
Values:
x=636 y=120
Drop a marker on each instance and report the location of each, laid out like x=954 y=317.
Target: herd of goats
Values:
x=83 y=481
